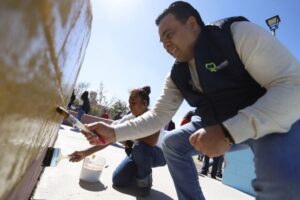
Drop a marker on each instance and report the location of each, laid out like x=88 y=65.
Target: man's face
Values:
x=179 y=39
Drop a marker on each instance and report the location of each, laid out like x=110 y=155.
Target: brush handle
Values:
x=75 y=122
x=79 y=125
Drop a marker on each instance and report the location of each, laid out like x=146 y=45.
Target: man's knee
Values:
x=169 y=141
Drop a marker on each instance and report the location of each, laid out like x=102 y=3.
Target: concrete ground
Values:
x=62 y=182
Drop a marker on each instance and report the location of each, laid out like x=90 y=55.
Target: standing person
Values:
x=187 y=118
x=72 y=99
x=85 y=107
x=215 y=166
x=143 y=155
x=220 y=167
x=170 y=126
x=245 y=86
x=105 y=115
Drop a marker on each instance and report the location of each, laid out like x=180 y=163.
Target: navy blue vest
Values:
x=227 y=86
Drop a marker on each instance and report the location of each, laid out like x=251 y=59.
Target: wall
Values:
x=42 y=46
x=239 y=170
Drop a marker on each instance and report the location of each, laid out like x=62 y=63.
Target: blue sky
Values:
x=124 y=51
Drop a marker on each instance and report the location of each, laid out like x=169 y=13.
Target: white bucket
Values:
x=92 y=168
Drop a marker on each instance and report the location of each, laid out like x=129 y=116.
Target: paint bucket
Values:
x=92 y=168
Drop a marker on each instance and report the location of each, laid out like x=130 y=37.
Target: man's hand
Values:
x=210 y=140
x=101 y=129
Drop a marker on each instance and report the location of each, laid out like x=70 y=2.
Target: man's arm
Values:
x=154 y=119
x=275 y=69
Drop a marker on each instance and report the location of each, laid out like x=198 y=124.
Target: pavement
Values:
x=62 y=182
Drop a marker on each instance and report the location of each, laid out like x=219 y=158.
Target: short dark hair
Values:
x=182 y=11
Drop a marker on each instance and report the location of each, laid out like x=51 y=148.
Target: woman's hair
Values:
x=85 y=95
x=143 y=93
x=182 y=11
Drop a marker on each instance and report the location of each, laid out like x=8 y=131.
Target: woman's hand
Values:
x=77 y=156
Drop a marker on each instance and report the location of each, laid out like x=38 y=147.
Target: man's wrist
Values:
x=227 y=135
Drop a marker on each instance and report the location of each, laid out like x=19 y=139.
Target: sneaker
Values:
x=214 y=177
x=204 y=173
x=219 y=175
x=144 y=191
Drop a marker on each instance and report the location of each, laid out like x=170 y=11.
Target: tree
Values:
x=102 y=98
x=119 y=105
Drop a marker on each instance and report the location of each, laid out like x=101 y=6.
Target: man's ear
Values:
x=192 y=23
x=145 y=103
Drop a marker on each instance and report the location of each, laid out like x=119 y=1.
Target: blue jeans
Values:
x=139 y=164
x=80 y=113
x=276 y=157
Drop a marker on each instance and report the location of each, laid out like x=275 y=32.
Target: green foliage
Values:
x=118 y=106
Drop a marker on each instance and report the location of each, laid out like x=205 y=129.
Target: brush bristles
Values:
x=55 y=157
x=59 y=110
x=52 y=157
x=48 y=157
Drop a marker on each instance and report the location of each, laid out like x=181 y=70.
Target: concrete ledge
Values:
x=86 y=119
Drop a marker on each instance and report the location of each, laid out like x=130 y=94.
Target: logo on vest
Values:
x=212 y=67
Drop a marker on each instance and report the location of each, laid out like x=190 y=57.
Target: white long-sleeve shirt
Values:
x=268 y=62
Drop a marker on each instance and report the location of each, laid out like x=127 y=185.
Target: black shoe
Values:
x=214 y=177
x=219 y=175
x=144 y=191
x=204 y=173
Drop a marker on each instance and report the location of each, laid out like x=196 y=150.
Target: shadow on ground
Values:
x=95 y=187
x=132 y=190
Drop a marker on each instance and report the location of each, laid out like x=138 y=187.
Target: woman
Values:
x=85 y=107
x=141 y=157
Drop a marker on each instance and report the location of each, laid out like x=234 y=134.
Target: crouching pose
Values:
x=142 y=154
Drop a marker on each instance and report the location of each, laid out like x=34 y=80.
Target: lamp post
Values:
x=273 y=23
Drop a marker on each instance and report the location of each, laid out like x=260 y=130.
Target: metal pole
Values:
x=273 y=32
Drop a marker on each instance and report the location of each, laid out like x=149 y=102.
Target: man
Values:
x=245 y=87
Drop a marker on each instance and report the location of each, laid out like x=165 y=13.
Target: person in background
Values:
x=215 y=166
x=187 y=118
x=105 y=115
x=220 y=167
x=245 y=86
x=72 y=99
x=170 y=126
x=118 y=115
x=144 y=154
x=85 y=107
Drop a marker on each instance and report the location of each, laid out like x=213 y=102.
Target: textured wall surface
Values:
x=42 y=46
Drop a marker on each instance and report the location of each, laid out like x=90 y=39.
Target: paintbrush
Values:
x=75 y=122
x=53 y=156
